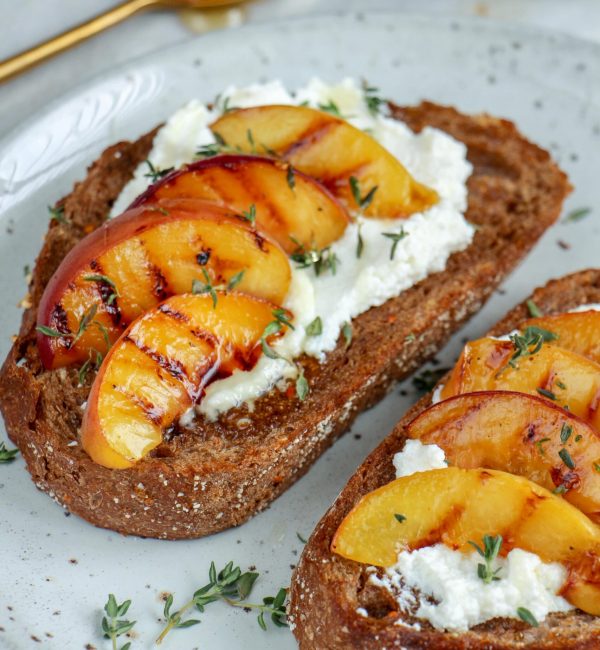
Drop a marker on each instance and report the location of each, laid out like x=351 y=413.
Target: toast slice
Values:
x=218 y=474
x=327 y=589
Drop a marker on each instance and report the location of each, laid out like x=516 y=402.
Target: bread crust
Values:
x=327 y=589
x=217 y=475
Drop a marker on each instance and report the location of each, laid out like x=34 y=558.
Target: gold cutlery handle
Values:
x=38 y=53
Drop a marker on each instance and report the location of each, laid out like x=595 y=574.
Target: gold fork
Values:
x=33 y=56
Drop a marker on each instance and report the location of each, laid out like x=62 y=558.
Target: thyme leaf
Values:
x=489 y=553
x=396 y=238
x=529 y=343
x=315 y=327
x=113 y=625
x=7 y=455
x=534 y=310
x=231 y=586
x=527 y=617
x=154 y=173
x=321 y=260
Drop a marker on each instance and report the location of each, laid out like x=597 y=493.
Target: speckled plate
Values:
x=57 y=570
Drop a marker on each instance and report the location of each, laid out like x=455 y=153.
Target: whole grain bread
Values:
x=215 y=475
x=327 y=589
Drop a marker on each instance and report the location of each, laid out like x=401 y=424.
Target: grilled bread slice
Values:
x=218 y=474
x=327 y=589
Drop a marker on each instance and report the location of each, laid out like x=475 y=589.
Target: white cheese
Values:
x=432 y=157
x=452 y=597
x=590 y=307
x=417 y=457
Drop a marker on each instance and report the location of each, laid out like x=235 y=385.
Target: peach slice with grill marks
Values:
x=520 y=434
x=332 y=151
x=161 y=365
x=564 y=377
x=138 y=259
x=576 y=331
x=454 y=506
x=288 y=206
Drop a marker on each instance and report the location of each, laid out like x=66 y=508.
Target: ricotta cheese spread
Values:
x=441 y=585
x=432 y=157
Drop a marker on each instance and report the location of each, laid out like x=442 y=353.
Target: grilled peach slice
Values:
x=332 y=151
x=292 y=210
x=576 y=331
x=520 y=434
x=455 y=506
x=140 y=258
x=161 y=365
x=565 y=377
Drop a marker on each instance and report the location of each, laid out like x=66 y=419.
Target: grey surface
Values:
x=27 y=22
x=547 y=83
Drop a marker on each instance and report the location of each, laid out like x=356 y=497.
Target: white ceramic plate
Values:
x=57 y=571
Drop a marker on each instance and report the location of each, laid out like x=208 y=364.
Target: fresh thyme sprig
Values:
x=315 y=327
x=154 y=173
x=291 y=177
x=489 y=552
x=396 y=238
x=215 y=148
x=90 y=361
x=330 y=107
x=231 y=586
x=529 y=343
x=250 y=214
x=88 y=319
x=533 y=309
x=577 y=215
x=199 y=287
x=372 y=99
x=97 y=277
x=112 y=625
x=57 y=213
x=527 y=617
x=347 y=333
x=7 y=455
x=362 y=201
x=321 y=260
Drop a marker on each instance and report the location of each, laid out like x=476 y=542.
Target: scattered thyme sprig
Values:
x=321 y=260
x=90 y=361
x=527 y=617
x=112 y=625
x=372 y=99
x=577 y=215
x=215 y=148
x=250 y=214
x=199 y=287
x=57 y=213
x=315 y=327
x=88 y=319
x=231 y=586
x=396 y=238
x=529 y=343
x=489 y=552
x=347 y=333
x=533 y=309
x=154 y=173
x=97 y=277
x=362 y=201
x=7 y=455
x=330 y=107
